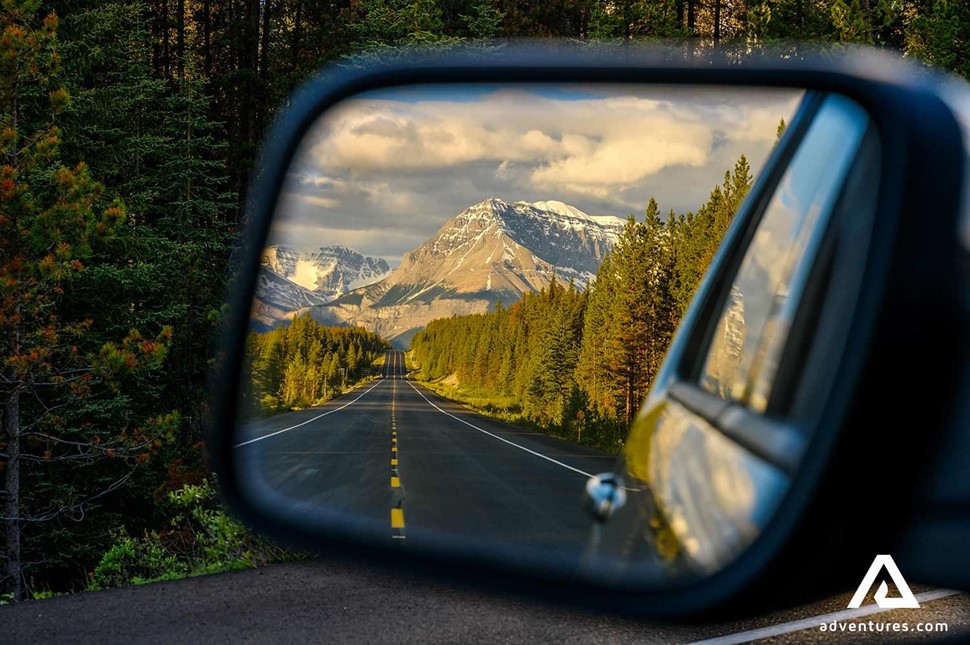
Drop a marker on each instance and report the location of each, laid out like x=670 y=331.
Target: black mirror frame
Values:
x=921 y=143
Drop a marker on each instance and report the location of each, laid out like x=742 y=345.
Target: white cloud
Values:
x=596 y=146
x=381 y=174
x=323 y=202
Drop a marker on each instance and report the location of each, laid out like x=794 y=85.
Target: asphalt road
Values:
x=333 y=602
x=455 y=472
x=397 y=453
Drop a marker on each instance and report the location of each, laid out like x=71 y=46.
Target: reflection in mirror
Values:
x=700 y=498
x=704 y=485
x=743 y=358
x=465 y=296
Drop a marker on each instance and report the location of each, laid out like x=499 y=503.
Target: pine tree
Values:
x=483 y=21
x=593 y=373
x=61 y=396
x=939 y=34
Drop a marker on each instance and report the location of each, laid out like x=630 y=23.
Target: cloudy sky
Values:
x=382 y=172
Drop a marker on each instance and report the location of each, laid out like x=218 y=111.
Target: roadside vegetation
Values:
x=199 y=538
x=128 y=131
x=576 y=363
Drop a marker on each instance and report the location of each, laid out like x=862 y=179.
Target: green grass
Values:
x=607 y=437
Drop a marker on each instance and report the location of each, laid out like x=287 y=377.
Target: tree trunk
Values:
x=156 y=39
x=295 y=51
x=691 y=16
x=166 y=43
x=264 y=46
x=180 y=40
x=206 y=41
x=629 y=400
x=717 y=22
x=264 y=67
x=11 y=422
x=297 y=35
x=627 y=19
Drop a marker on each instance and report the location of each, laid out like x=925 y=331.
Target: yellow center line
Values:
x=397 y=514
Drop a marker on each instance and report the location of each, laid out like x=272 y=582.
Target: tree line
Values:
x=578 y=362
x=128 y=131
x=305 y=363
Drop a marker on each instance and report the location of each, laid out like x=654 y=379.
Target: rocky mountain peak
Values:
x=292 y=279
x=493 y=250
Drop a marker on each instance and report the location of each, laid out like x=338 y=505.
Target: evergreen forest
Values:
x=305 y=364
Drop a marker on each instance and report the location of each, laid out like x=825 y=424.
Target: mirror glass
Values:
x=466 y=295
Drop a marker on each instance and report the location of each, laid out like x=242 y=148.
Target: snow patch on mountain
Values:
x=291 y=279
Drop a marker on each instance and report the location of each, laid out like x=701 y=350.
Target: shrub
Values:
x=200 y=538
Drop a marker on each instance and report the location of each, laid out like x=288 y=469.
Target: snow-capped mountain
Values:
x=291 y=279
x=505 y=250
x=330 y=270
x=277 y=291
x=494 y=250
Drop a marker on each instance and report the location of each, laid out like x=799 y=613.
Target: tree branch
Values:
x=114 y=444
x=79 y=506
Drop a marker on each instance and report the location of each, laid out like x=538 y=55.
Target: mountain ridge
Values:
x=493 y=250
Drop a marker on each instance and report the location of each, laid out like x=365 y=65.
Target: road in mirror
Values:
x=466 y=293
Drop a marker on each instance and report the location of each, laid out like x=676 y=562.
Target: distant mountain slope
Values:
x=494 y=250
x=289 y=279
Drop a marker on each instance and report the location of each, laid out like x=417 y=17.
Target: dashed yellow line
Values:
x=397 y=514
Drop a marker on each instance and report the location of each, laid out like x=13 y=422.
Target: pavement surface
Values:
x=397 y=453
x=334 y=602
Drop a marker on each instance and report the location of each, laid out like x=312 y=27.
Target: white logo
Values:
x=906 y=598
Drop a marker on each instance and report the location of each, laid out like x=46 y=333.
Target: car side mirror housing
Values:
x=379 y=347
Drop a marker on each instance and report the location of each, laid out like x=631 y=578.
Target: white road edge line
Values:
x=320 y=416
x=495 y=436
x=815 y=621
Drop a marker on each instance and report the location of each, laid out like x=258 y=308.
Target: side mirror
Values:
x=465 y=332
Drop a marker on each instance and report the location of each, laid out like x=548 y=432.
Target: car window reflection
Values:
x=754 y=323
